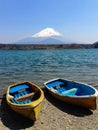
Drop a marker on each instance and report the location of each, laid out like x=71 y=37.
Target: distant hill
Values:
x=44 y=46
x=95 y=44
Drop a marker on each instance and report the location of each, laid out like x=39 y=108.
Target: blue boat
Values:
x=73 y=92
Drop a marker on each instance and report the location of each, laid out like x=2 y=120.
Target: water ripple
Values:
x=41 y=65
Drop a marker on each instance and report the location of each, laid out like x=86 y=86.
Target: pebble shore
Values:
x=54 y=115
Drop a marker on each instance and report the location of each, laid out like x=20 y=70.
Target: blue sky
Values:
x=77 y=20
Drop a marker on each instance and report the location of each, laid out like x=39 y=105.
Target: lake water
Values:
x=39 y=66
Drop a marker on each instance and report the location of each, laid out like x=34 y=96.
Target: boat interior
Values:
x=70 y=88
x=23 y=94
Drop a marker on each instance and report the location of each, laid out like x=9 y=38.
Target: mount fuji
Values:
x=45 y=36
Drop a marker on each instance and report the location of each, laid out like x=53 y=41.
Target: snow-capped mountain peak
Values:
x=48 y=32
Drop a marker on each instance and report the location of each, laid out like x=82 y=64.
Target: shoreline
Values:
x=54 y=115
x=46 y=46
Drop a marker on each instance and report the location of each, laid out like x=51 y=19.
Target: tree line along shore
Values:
x=46 y=46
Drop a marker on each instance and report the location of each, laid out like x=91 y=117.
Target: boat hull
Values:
x=86 y=102
x=30 y=110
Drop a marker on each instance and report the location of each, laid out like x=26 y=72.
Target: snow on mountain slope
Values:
x=48 y=32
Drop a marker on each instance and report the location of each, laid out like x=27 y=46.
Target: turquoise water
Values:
x=39 y=66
